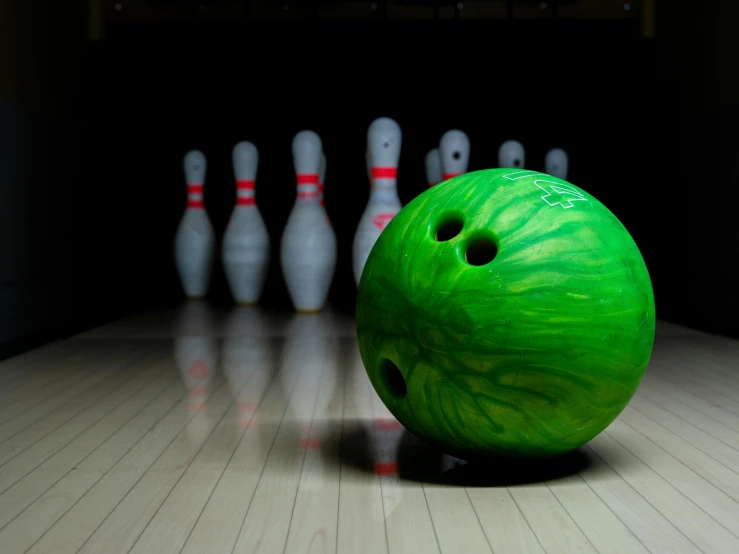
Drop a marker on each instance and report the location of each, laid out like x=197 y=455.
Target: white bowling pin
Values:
x=454 y=150
x=433 y=167
x=246 y=242
x=369 y=166
x=194 y=241
x=511 y=154
x=384 y=139
x=308 y=252
x=557 y=163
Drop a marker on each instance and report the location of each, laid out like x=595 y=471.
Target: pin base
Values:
x=246 y=304
x=309 y=311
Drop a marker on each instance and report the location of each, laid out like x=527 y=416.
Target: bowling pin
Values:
x=454 y=151
x=511 y=154
x=384 y=140
x=369 y=166
x=433 y=167
x=308 y=250
x=557 y=163
x=246 y=246
x=194 y=241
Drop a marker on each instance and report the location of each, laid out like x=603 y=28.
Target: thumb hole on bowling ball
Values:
x=393 y=379
x=480 y=251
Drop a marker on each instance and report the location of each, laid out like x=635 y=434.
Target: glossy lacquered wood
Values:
x=243 y=431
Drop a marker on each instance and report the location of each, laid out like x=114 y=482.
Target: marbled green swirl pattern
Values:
x=532 y=354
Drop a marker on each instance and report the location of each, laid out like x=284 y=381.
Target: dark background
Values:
x=98 y=105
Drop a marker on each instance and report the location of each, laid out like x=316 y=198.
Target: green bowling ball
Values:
x=505 y=313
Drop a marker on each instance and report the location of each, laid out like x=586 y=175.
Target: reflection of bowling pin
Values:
x=511 y=154
x=308 y=337
x=384 y=139
x=433 y=167
x=386 y=433
x=194 y=241
x=308 y=252
x=557 y=163
x=195 y=352
x=454 y=150
x=246 y=361
x=246 y=242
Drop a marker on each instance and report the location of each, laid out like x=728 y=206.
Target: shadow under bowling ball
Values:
x=417 y=461
x=507 y=472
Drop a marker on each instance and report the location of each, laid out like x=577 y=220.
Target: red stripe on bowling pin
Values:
x=307 y=185
x=448 y=176
x=245 y=192
x=384 y=173
x=195 y=197
x=383 y=178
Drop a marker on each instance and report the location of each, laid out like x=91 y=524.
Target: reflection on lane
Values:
x=196 y=351
x=304 y=382
x=248 y=360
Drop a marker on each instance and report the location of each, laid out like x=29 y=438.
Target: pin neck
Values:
x=384 y=172
x=384 y=182
x=245 y=192
x=307 y=187
x=195 y=197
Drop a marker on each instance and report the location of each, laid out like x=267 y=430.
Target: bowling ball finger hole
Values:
x=481 y=251
x=448 y=230
x=393 y=379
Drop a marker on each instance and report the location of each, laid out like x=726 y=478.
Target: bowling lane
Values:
x=239 y=430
